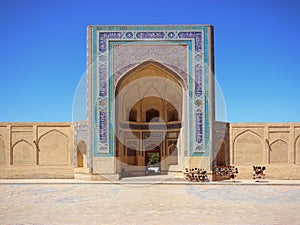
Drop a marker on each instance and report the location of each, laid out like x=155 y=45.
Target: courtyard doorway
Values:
x=152 y=161
x=81 y=154
x=148 y=119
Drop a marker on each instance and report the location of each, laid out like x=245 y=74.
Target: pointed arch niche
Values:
x=248 y=148
x=150 y=87
x=54 y=148
x=150 y=93
x=279 y=152
x=23 y=153
x=81 y=154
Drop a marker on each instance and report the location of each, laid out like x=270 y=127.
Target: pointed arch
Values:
x=81 y=145
x=151 y=114
x=53 y=130
x=248 y=148
x=81 y=153
x=155 y=91
x=245 y=131
x=22 y=153
x=172 y=152
x=19 y=142
x=279 y=151
x=54 y=148
x=142 y=66
x=278 y=140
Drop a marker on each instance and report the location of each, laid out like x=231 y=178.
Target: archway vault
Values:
x=148 y=108
x=146 y=67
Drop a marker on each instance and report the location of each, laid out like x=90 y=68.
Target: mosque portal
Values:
x=150 y=99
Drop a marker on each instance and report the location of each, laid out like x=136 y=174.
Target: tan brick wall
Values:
x=36 y=150
x=275 y=145
x=45 y=150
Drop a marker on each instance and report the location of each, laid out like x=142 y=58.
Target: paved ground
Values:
x=69 y=202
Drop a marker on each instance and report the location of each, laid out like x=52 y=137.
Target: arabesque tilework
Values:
x=183 y=49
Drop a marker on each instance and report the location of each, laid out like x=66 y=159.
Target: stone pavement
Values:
x=86 y=202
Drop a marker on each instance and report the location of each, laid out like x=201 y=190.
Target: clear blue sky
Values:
x=43 y=52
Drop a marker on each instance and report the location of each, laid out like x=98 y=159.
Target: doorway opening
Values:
x=152 y=161
x=148 y=110
x=81 y=154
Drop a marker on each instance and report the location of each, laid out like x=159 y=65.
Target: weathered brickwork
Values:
x=36 y=150
x=274 y=145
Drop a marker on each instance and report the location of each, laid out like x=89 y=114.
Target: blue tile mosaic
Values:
x=198 y=83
